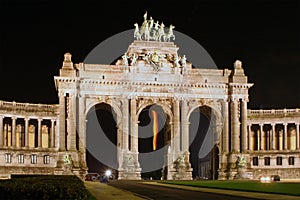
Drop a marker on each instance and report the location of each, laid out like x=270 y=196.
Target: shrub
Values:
x=43 y=187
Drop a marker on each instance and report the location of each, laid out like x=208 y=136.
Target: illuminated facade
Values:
x=51 y=139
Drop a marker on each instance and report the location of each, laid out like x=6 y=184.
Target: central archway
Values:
x=204 y=153
x=101 y=140
x=153 y=120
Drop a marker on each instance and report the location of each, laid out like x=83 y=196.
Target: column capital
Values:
x=13 y=117
x=245 y=100
x=234 y=99
x=39 y=119
x=273 y=124
x=285 y=124
x=261 y=124
x=225 y=99
x=297 y=123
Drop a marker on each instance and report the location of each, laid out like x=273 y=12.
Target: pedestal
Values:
x=130 y=168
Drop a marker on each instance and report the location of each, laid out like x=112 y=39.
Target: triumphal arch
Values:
x=52 y=139
x=152 y=72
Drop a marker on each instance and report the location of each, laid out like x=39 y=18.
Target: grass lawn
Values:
x=274 y=187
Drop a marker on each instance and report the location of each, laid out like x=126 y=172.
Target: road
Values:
x=161 y=193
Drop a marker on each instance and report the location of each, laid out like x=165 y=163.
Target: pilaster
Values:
x=26 y=132
x=1 y=131
x=13 y=136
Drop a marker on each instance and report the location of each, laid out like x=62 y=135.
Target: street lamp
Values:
x=108 y=173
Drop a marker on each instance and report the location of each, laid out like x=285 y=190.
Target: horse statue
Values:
x=147 y=33
x=137 y=34
x=161 y=32
x=170 y=34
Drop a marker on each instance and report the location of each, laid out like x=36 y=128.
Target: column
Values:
x=1 y=131
x=176 y=125
x=285 y=138
x=273 y=137
x=40 y=138
x=52 y=144
x=249 y=138
x=261 y=143
x=185 y=126
x=26 y=137
x=280 y=140
x=235 y=127
x=244 y=125
x=133 y=126
x=82 y=124
x=297 y=136
x=62 y=122
x=5 y=131
x=72 y=121
x=225 y=127
x=13 y=135
x=125 y=121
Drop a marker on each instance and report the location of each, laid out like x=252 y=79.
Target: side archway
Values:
x=102 y=139
x=203 y=139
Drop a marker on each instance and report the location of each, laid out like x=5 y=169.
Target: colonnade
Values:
x=27 y=132
x=273 y=136
x=234 y=138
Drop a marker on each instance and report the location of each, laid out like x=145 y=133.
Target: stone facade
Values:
x=51 y=139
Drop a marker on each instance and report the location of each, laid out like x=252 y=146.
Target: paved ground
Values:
x=152 y=190
x=135 y=190
x=103 y=191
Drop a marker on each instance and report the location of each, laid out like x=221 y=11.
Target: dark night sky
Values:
x=35 y=34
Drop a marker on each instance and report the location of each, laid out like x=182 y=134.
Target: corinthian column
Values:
x=235 y=126
x=72 y=120
x=285 y=138
x=40 y=140
x=133 y=126
x=82 y=124
x=1 y=131
x=244 y=125
x=261 y=142
x=297 y=136
x=62 y=123
x=52 y=137
x=26 y=138
x=249 y=138
x=176 y=125
x=13 y=136
x=125 y=122
x=273 y=137
x=185 y=126
x=225 y=135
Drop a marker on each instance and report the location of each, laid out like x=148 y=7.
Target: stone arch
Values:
x=213 y=114
x=215 y=110
x=113 y=105
x=165 y=108
x=106 y=161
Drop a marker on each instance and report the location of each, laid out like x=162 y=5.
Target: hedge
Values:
x=43 y=187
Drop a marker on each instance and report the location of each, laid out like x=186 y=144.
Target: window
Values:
x=21 y=158
x=33 y=159
x=279 y=161
x=291 y=160
x=255 y=161
x=8 y=158
x=46 y=159
x=267 y=160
